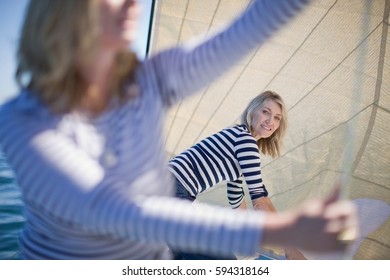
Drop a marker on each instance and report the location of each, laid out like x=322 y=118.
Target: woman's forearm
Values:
x=263 y=204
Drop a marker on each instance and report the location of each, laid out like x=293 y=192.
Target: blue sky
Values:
x=10 y=24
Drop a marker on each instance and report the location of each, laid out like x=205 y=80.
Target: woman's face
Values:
x=266 y=120
x=118 y=23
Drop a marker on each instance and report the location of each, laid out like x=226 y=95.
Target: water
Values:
x=11 y=212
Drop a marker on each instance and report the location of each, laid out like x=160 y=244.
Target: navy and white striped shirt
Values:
x=99 y=188
x=228 y=155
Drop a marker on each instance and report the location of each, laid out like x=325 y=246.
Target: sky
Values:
x=10 y=24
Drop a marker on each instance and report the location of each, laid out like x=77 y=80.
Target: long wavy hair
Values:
x=56 y=38
x=272 y=145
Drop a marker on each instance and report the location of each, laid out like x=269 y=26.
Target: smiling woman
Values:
x=266 y=117
x=267 y=120
x=232 y=156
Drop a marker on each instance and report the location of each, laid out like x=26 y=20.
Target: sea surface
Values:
x=11 y=212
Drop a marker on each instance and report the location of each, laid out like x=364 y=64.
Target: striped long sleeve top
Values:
x=99 y=188
x=229 y=155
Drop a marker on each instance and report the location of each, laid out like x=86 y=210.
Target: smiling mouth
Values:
x=266 y=127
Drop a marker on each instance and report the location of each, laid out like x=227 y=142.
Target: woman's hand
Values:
x=263 y=204
x=319 y=225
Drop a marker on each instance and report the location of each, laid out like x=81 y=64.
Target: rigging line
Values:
x=319 y=136
x=219 y=106
x=150 y=27
x=308 y=180
x=320 y=82
x=319 y=173
x=249 y=3
x=204 y=91
x=297 y=49
x=378 y=87
x=384 y=109
x=179 y=138
x=348 y=163
x=335 y=68
x=378 y=242
x=349 y=159
x=385 y=188
x=179 y=104
x=301 y=45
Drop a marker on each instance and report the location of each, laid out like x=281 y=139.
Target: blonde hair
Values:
x=57 y=37
x=271 y=145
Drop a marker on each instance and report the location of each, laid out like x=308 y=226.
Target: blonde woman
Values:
x=84 y=138
x=233 y=155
